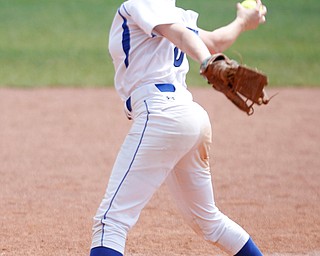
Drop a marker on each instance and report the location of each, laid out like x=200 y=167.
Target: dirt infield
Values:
x=57 y=147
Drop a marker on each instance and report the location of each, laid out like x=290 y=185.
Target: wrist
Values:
x=204 y=64
x=240 y=23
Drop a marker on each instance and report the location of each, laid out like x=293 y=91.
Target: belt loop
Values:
x=166 y=87
x=128 y=104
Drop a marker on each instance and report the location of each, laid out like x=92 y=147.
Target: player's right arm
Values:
x=185 y=39
x=222 y=38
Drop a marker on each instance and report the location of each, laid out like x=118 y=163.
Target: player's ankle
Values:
x=249 y=249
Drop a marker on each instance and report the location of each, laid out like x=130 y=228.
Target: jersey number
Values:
x=178 y=57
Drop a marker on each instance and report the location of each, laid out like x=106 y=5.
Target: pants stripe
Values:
x=126 y=174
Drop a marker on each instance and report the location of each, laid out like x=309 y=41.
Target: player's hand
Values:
x=251 y=18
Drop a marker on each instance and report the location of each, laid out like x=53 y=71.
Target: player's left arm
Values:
x=222 y=38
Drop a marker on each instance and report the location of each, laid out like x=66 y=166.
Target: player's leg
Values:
x=198 y=208
x=191 y=186
x=155 y=143
x=131 y=185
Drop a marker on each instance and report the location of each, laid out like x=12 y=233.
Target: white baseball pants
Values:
x=169 y=141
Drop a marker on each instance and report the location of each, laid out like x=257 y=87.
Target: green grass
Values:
x=55 y=42
x=64 y=43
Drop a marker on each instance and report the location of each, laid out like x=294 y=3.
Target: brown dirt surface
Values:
x=57 y=147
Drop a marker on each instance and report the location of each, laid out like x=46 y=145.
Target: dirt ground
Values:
x=57 y=147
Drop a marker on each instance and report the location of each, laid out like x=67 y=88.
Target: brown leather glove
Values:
x=242 y=85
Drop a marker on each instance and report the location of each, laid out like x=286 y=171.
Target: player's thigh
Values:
x=145 y=158
x=191 y=185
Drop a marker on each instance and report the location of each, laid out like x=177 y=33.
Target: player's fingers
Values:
x=263 y=10
x=239 y=6
x=258 y=5
x=261 y=7
x=262 y=19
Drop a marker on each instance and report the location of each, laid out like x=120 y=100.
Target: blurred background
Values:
x=64 y=43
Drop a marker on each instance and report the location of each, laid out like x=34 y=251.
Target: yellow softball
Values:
x=249 y=4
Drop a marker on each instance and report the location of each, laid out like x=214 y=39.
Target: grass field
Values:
x=64 y=43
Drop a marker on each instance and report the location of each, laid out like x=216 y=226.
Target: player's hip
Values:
x=168 y=111
x=157 y=91
x=159 y=97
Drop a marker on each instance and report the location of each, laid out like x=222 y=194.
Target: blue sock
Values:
x=249 y=249
x=104 y=251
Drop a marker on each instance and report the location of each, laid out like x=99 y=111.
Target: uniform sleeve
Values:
x=190 y=18
x=149 y=13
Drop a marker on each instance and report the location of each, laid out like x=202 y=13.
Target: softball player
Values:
x=170 y=135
